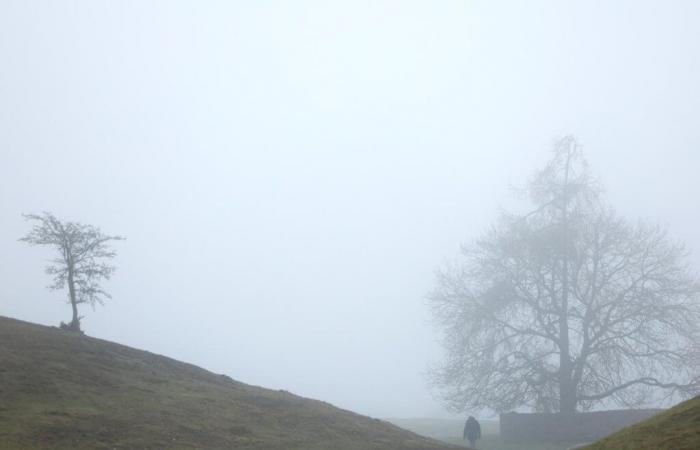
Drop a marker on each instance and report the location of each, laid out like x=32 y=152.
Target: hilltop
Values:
x=675 y=429
x=61 y=390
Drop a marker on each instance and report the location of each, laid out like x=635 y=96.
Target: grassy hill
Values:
x=675 y=429
x=59 y=390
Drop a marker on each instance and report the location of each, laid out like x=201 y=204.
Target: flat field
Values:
x=450 y=430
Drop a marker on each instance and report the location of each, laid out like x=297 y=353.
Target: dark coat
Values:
x=472 y=430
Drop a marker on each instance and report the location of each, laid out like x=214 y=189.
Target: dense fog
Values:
x=289 y=175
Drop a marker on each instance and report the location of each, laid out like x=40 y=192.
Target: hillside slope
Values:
x=675 y=429
x=59 y=390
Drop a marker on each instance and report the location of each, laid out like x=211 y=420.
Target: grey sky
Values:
x=290 y=174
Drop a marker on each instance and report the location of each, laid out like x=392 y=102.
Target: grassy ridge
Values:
x=59 y=390
x=675 y=429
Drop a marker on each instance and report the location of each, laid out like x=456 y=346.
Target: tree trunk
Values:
x=75 y=322
x=567 y=394
x=567 y=391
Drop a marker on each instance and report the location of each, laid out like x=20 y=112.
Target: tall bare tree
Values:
x=81 y=262
x=567 y=306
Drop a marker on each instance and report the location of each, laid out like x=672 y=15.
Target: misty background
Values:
x=290 y=174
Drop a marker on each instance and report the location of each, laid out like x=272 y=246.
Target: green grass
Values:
x=675 y=429
x=59 y=390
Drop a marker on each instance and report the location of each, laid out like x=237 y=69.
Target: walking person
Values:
x=472 y=431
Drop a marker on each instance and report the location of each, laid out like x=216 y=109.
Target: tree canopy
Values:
x=566 y=306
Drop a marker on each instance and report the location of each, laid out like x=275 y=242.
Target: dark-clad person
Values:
x=472 y=431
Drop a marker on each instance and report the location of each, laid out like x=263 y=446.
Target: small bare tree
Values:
x=80 y=264
x=567 y=306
